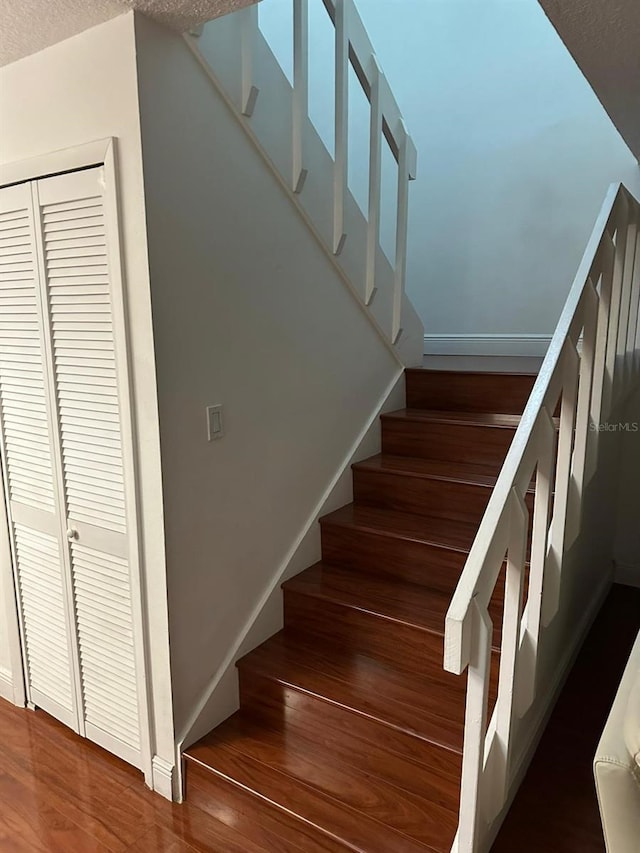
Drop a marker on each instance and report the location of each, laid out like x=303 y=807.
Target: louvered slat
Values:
x=105 y=632
x=40 y=583
x=23 y=404
x=84 y=357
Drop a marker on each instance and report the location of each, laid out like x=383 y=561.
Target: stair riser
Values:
x=371 y=758
x=468 y=392
x=353 y=734
x=422 y=495
x=277 y=832
x=404 y=646
x=451 y=442
x=405 y=559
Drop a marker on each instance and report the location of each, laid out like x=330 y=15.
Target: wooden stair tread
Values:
x=419 y=707
x=443 y=533
x=493 y=374
x=437 y=469
x=485 y=419
x=316 y=774
x=396 y=600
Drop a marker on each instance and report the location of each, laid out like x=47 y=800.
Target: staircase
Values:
x=349 y=735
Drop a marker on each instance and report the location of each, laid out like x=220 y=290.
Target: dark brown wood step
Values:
x=335 y=821
x=414 y=548
x=358 y=738
x=455 y=490
x=361 y=686
x=260 y=822
x=311 y=770
x=468 y=391
x=400 y=623
x=479 y=438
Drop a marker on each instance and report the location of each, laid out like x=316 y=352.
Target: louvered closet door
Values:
x=85 y=369
x=26 y=421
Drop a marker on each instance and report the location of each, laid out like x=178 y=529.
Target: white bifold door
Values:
x=67 y=459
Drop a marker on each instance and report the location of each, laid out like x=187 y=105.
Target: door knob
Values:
x=72 y=534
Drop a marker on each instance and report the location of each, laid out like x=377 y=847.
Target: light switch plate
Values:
x=215 y=427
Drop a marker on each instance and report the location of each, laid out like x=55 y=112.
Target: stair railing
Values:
x=352 y=49
x=592 y=362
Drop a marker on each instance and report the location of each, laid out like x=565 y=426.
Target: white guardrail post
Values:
x=592 y=357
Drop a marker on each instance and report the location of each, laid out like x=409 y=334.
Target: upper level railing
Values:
x=593 y=359
x=352 y=50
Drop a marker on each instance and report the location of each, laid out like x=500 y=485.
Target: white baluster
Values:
x=475 y=728
x=300 y=108
x=375 y=173
x=635 y=297
x=249 y=28
x=402 y=222
x=553 y=569
x=616 y=299
x=583 y=432
x=340 y=170
x=622 y=374
x=607 y=250
x=505 y=704
x=545 y=439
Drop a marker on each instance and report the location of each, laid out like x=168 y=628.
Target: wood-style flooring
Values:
x=61 y=793
x=556 y=810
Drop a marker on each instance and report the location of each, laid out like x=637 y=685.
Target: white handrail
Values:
x=592 y=357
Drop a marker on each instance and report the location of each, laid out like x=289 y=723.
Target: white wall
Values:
x=248 y=312
x=75 y=92
x=515 y=154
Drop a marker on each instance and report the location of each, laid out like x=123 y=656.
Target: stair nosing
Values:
x=289 y=585
x=342 y=766
x=461 y=480
x=377 y=531
x=297 y=816
x=246 y=664
x=422 y=370
x=448 y=418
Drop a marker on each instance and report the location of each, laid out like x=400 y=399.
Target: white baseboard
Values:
x=6 y=686
x=526 y=345
x=627 y=574
x=163 y=777
x=543 y=713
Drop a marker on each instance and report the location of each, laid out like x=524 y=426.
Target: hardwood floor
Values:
x=556 y=809
x=61 y=794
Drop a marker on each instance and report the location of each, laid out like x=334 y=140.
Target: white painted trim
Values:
x=7 y=581
x=536 y=727
x=55 y=162
x=526 y=345
x=163 y=777
x=234 y=652
x=627 y=574
x=6 y=686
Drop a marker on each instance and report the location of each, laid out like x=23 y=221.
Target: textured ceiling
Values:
x=27 y=26
x=604 y=38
